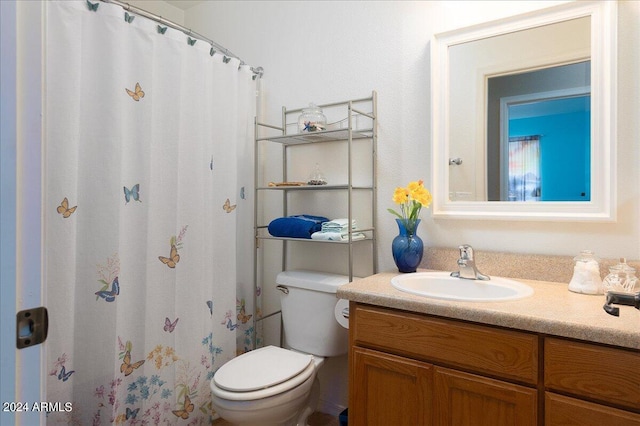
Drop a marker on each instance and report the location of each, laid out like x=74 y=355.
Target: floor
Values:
x=316 y=419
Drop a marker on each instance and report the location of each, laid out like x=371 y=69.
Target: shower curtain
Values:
x=143 y=128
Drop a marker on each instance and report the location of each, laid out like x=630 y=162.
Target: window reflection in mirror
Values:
x=538 y=135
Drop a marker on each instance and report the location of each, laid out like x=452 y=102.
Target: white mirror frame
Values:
x=602 y=206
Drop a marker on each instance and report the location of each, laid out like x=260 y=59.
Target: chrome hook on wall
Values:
x=455 y=161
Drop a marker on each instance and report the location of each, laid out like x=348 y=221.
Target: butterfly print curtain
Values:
x=143 y=131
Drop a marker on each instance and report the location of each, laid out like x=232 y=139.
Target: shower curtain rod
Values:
x=126 y=6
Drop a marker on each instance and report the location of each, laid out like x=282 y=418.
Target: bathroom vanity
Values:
x=552 y=358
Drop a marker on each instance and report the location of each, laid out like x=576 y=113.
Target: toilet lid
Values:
x=260 y=369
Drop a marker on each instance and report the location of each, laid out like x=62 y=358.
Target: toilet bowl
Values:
x=277 y=386
x=268 y=386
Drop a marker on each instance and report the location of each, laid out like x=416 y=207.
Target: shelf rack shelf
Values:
x=316 y=137
x=349 y=131
x=313 y=188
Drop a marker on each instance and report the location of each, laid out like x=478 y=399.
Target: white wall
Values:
x=328 y=51
x=20 y=216
x=161 y=8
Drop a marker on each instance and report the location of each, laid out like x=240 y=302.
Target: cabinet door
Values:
x=389 y=390
x=562 y=410
x=463 y=399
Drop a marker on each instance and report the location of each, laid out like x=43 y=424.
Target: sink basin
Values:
x=440 y=285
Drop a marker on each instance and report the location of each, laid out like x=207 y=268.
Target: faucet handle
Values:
x=466 y=252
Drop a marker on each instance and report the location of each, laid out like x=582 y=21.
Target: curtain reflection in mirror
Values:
x=524 y=168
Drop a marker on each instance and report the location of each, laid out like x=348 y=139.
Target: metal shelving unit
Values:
x=353 y=110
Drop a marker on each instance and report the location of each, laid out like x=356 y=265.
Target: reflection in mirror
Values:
x=523 y=112
x=538 y=135
x=535 y=60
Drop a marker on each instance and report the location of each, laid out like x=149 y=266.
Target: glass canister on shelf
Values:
x=621 y=278
x=312 y=119
x=317 y=177
x=586 y=274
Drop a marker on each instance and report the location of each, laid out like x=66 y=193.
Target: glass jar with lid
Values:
x=621 y=278
x=312 y=119
x=586 y=274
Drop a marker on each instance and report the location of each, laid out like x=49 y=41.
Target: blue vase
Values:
x=407 y=247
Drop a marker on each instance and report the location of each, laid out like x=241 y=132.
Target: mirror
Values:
x=524 y=116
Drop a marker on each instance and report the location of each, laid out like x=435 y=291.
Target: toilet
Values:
x=278 y=386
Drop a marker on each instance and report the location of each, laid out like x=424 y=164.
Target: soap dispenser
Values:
x=586 y=274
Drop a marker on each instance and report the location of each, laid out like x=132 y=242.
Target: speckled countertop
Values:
x=552 y=309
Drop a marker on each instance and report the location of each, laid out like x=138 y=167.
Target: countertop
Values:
x=552 y=309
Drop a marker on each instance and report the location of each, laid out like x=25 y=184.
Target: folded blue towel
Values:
x=298 y=226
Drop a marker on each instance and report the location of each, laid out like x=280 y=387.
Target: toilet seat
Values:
x=262 y=373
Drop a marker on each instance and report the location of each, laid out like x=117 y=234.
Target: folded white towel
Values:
x=339 y=222
x=337 y=225
x=337 y=236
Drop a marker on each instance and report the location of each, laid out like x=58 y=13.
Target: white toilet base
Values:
x=314 y=397
x=288 y=409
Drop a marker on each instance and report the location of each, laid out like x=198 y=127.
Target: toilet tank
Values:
x=308 y=300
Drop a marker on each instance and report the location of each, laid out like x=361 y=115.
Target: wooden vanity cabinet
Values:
x=413 y=369
x=410 y=369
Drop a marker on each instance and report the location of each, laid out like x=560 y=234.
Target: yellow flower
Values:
x=422 y=196
x=415 y=186
x=400 y=195
x=411 y=200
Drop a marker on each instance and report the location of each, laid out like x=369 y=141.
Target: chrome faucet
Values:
x=467 y=265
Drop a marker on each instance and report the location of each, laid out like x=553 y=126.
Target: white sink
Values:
x=440 y=285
